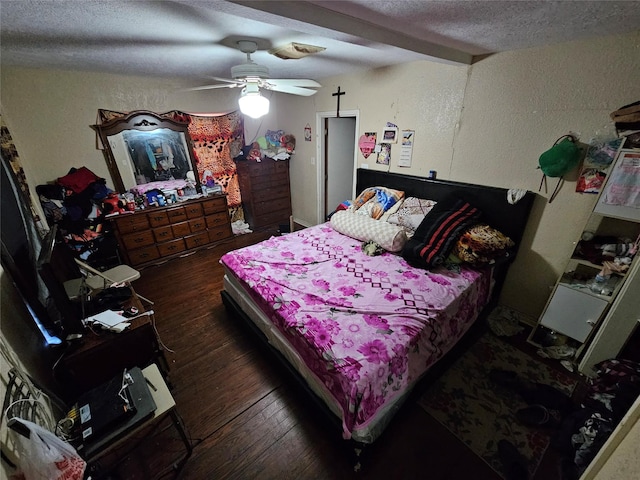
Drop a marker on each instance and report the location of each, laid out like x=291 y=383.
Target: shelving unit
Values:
x=578 y=304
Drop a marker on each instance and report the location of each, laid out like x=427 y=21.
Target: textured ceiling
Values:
x=195 y=39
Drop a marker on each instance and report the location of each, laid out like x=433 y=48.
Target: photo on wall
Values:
x=384 y=155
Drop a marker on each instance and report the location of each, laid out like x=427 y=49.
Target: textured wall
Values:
x=487 y=124
x=516 y=105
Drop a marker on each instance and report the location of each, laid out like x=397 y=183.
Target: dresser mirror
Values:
x=144 y=150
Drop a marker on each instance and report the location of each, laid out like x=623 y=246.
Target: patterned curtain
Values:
x=10 y=155
x=30 y=228
x=217 y=140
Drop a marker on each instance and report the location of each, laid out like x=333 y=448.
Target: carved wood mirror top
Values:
x=143 y=147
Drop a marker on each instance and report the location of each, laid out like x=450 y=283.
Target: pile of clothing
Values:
x=583 y=432
x=75 y=203
x=578 y=431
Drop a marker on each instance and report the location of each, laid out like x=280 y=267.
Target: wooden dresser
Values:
x=157 y=233
x=265 y=190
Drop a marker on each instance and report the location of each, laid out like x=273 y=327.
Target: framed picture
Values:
x=389 y=135
x=384 y=155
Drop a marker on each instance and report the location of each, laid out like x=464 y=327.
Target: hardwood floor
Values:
x=245 y=416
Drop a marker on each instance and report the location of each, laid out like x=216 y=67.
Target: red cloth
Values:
x=78 y=180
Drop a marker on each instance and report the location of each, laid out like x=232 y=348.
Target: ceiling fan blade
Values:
x=227 y=80
x=294 y=82
x=210 y=87
x=306 y=92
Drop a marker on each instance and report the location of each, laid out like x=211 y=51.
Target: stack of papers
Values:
x=110 y=320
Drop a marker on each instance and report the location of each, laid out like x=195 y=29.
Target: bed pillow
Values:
x=390 y=237
x=435 y=237
x=411 y=212
x=482 y=244
x=374 y=201
x=385 y=216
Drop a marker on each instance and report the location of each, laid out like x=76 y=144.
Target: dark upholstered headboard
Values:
x=492 y=201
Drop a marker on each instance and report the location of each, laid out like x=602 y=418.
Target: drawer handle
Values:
x=138 y=240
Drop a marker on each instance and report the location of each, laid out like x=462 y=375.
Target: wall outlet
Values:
x=364 y=165
x=313 y=160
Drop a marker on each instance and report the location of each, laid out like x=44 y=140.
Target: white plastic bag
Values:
x=43 y=456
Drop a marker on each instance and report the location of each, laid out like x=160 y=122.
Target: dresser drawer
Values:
x=273 y=192
x=281 y=168
x=197 y=225
x=162 y=234
x=267 y=206
x=266 y=183
x=131 y=223
x=197 y=240
x=193 y=210
x=137 y=240
x=142 y=255
x=158 y=219
x=220 y=233
x=176 y=214
x=217 y=220
x=259 y=169
x=214 y=205
x=273 y=217
x=169 y=248
x=180 y=229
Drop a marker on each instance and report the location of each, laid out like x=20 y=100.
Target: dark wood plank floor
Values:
x=245 y=416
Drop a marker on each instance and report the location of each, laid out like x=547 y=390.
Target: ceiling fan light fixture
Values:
x=252 y=103
x=294 y=51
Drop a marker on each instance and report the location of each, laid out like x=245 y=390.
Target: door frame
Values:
x=320 y=155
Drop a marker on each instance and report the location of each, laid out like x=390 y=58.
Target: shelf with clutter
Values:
x=588 y=292
x=603 y=255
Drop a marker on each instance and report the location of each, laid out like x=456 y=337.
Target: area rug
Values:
x=481 y=413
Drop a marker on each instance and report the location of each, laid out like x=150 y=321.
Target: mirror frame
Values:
x=145 y=121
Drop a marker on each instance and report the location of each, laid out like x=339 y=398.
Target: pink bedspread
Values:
x=366 y=326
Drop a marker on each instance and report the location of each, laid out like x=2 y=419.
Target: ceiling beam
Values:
x=315 y=15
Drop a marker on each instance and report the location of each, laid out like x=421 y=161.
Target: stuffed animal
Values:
x=273 y=137
x=255 y=153
x=289 y=143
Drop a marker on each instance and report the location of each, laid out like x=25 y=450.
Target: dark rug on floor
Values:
x=480 y=413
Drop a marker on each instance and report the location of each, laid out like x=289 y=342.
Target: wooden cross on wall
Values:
x=338 y=94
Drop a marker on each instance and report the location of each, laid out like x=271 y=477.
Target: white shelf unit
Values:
x=576 y=308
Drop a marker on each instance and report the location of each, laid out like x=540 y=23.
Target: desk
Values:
x=165 y=406
x=100 y=356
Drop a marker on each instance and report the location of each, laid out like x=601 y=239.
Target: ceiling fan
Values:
x=251 y=77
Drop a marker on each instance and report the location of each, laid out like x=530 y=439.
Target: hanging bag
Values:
x=559 y=160
x=44 y=456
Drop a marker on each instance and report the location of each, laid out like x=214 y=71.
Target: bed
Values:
x=359 y=331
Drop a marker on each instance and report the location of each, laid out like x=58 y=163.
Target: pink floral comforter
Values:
x=366 y=326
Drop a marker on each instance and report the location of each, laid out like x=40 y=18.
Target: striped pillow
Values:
x=435 y=237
